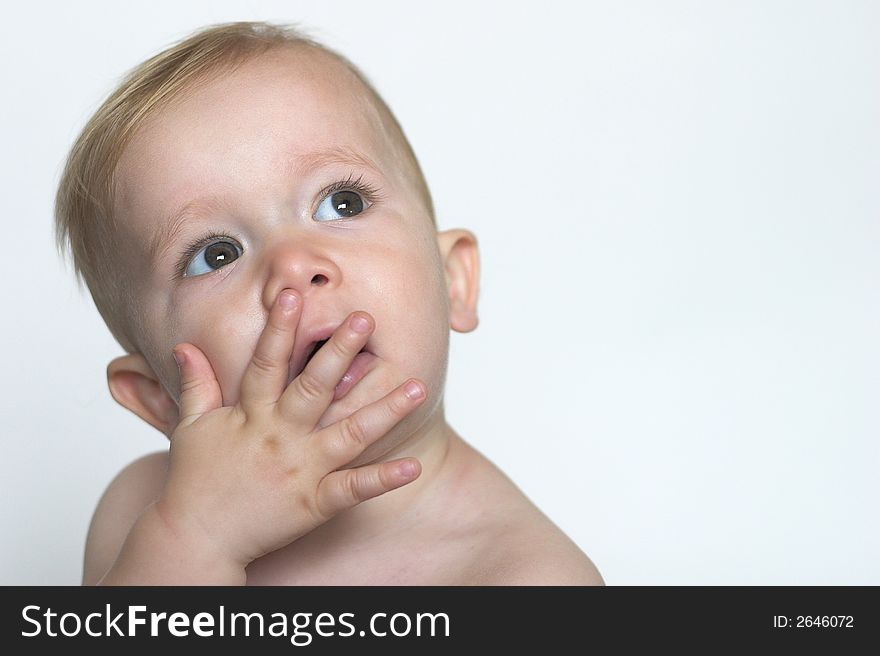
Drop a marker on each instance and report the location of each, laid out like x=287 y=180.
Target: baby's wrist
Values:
x=195 y=551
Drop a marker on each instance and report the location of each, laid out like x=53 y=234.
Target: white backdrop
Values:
x=677 y=205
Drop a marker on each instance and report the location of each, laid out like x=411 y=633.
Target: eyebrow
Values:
x=336 y=155
x=166 y=233
x=202 y=206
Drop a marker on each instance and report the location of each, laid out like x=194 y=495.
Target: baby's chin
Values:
x=372 y=388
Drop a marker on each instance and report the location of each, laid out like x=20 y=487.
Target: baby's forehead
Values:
x=309 y=94
x=291 y=108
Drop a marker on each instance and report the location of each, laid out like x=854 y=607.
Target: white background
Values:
x=677 y=205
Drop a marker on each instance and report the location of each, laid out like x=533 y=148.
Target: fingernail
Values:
x=287 y=300
x=360 y=324
x=179 y=358
x=407 y=469
x=413 y=390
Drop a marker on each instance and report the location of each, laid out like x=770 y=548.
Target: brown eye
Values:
x=347 y=203
x=213 y=256
x=340 y=205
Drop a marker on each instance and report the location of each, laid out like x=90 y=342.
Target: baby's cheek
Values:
x=227 y=340
x=422 y=315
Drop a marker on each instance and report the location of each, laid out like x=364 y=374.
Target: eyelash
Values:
x=369 y=192
x=194 y=247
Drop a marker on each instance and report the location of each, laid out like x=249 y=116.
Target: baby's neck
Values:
x=371 y=541
x=395 y=510
x=428 y=530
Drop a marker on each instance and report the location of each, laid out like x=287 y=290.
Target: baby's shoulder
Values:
x=126 y=497
x=536 y=553
x=512 y=541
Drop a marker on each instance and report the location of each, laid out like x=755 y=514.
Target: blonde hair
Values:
x=84 y=219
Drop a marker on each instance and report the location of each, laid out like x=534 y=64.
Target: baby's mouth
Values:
x=317 y=346
x=357 y=369
x=314 y=350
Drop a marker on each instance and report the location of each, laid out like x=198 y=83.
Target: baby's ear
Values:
x=135 y=386
x=461 y=261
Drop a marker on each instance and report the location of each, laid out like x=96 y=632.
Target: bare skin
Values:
x=280 y=472
x=428 y=533
x=263 y=453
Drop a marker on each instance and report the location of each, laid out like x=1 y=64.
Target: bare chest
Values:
x=443 y=562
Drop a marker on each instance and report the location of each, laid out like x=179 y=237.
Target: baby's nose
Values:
x=298 y=267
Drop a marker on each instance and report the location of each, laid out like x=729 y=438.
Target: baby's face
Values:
x=288 y=181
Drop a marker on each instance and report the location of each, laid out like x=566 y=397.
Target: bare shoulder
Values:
x=515 y=543
x=532 y=559
x=128 y=494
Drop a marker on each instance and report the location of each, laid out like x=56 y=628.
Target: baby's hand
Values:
x=248 y=479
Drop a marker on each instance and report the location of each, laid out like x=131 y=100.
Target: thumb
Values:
x=199 y=388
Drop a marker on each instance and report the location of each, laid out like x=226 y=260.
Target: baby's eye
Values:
x=340 y=205
x=213 y=256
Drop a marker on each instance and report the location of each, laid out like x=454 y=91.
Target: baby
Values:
x=256 y=232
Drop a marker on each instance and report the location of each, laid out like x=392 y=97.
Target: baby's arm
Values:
x=246 y=480
x=127 y=496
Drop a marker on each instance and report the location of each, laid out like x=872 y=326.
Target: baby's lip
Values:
x=306 y=345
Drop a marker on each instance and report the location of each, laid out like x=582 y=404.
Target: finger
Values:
x=344 y=489
x=341 y=442
x=266 y=374
x=199 y=387
x=309 y=394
